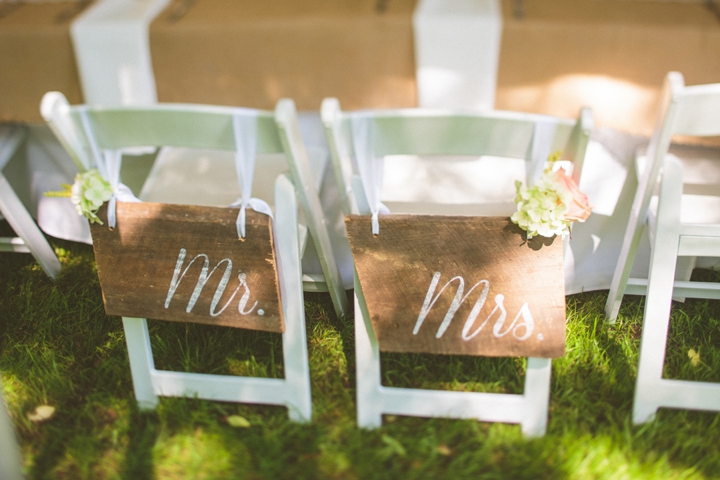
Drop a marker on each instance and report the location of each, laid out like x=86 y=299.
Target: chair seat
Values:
x=700 y=206
x=183 y=176
x=701 y=181
x=452 y=181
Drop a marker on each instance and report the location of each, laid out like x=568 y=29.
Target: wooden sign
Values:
x=185 y=263
x=460 y=285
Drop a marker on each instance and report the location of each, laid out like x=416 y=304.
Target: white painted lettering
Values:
x=203 y=279
x=431 y=297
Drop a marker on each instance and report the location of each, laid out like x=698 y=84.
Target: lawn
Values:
x=58 y=348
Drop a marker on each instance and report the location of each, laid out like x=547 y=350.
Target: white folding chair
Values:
x=677 y=236
x=30 y=239
x=180 y=175
x=10 y=463
x=439 y=135
x=88 y=132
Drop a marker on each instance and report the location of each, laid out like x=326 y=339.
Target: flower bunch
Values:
x=549 y=206
x=89 y=192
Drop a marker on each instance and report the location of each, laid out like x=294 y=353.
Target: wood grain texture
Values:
x=137 y=264
x=404 y=268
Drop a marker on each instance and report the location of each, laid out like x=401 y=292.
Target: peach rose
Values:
x=579 y=207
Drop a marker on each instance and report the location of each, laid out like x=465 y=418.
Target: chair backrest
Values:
x=425 y=132
x=687 y=111
x=159 y=125
x=203 y=127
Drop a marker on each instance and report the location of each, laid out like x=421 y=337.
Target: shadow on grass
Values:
x=142 y=436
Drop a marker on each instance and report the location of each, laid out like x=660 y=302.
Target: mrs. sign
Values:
x=460 y=285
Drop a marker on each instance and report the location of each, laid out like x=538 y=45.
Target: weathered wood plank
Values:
x=185 y=263
x=411 y=272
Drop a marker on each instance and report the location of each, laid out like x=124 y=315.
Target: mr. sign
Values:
x=185 y=263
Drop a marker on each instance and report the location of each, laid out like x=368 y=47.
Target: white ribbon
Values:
x=94 y=149
x=542 y=142
x=245 y=132
x=108 y=163
x=121 y=192
x=369 y=165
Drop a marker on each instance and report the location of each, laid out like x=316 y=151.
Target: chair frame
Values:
x=306 y=171
x=670 y=121
x=672 y=239
x=308 y=184
x=528 y=409
x=10 y=457
x=29 y=238
x=203 y=127
x=688 y=111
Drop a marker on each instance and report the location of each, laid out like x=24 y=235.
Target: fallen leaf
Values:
x=41 y=413
x=444 y=450
x=237 y=421
x=694 y=357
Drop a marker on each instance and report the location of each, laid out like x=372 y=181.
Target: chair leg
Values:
x=297 y=368
x=656 y=319
x=629 y=248
x=652 y=349
x=24 y=225
x=367 y=365
x=537 y=395
x=633 y=233
x=142 y=365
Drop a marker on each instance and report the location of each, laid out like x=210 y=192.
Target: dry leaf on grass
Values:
x=41 y=413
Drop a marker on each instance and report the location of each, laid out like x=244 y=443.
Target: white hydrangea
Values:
x=89 y=192
x=541 y=208
x=540 y=211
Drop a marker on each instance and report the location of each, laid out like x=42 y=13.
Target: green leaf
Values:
x=395 y=446
x=238 y=422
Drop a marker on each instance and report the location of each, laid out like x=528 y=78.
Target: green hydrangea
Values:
x=88 y=194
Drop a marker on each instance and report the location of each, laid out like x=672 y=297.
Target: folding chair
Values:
x=10 y=464
x=364 y=137
x=98 y=136
x=682 y=226
x=180 y=175
x=30 y=239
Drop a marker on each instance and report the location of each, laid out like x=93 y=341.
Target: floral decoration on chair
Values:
x=88 y=193
x=549 y=207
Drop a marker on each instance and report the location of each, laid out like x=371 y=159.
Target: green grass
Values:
x=57 y=347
